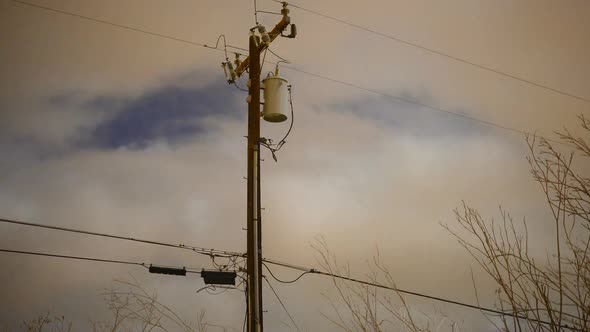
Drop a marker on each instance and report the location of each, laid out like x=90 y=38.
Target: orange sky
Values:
x=361 y=170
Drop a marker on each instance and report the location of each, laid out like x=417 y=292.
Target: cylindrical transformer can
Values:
x=276 y=99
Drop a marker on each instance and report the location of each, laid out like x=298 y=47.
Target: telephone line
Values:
x=399 y=290
x=414 y=102
x=92 y=259
x=219 y=253
x=440 y=53
x=282 y=304
x=127 y=27
x=199 y=250
x=320 y=76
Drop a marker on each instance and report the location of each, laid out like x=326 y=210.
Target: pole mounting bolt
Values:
x=264 y=35
x=285 y=10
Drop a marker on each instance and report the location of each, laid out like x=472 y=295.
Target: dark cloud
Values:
x=67 y=122
x=170 y=113
x=414 y=120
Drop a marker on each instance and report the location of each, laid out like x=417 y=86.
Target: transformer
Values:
x=276 y=98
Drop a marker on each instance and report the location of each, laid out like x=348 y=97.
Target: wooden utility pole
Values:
x=254 y=242
x=254 y=228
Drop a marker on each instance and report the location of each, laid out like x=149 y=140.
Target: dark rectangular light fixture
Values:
x=219 y=277
x=167 y=270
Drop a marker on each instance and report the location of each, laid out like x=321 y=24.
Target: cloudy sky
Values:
x=113 y=130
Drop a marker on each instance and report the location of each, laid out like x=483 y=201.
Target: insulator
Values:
x=293 y=33
x=285 y=10
x=237 y=60
x=265 y=39
x=227 y=77
x=232 y=72
x=263 y=34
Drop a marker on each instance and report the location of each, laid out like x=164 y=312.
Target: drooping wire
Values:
x=274 y=148
x=263 y=59
x=235 y=83
x=210 y=289
x=284 y=139
x=284 y=281
x=278 y=56
x=224 y=45
x=282 y=304
x=199 y=250
x=440 y=53
x=231 y=264
x=92 y=259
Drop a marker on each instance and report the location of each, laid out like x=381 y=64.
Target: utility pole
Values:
x=254 y=241
x=257 y=44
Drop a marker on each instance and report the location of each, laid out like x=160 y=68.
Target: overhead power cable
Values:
x=399 y=290
x=127 y=27
x=320 y=76
x=199 y=250
x=440 y=53
x=284 y=281
x=92 y=259
x=414 y=102
x=282 y=304
x=218 y=253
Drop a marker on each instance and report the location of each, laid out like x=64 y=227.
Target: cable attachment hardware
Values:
x=230 y=73
x=264 y=35
x=237 y=60
x=285 y=10
x=293 y=32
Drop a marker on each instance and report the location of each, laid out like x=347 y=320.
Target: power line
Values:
x=352 y=85
x=72 y=257
x=282 y=304
x=278 y=56
x=92 y=259
x=433 y=51
x=422 y=295
x=127 y=27
x=199 y=250
x=229 y=254
x=414 y=102
x=284 y=281
x=111 y=23
x=219 y=253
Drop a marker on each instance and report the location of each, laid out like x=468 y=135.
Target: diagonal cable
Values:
x=440 y=53
x=417 y=294
x=282 y=304
x=356 y=86
x=92 y=259
x=199 y=250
